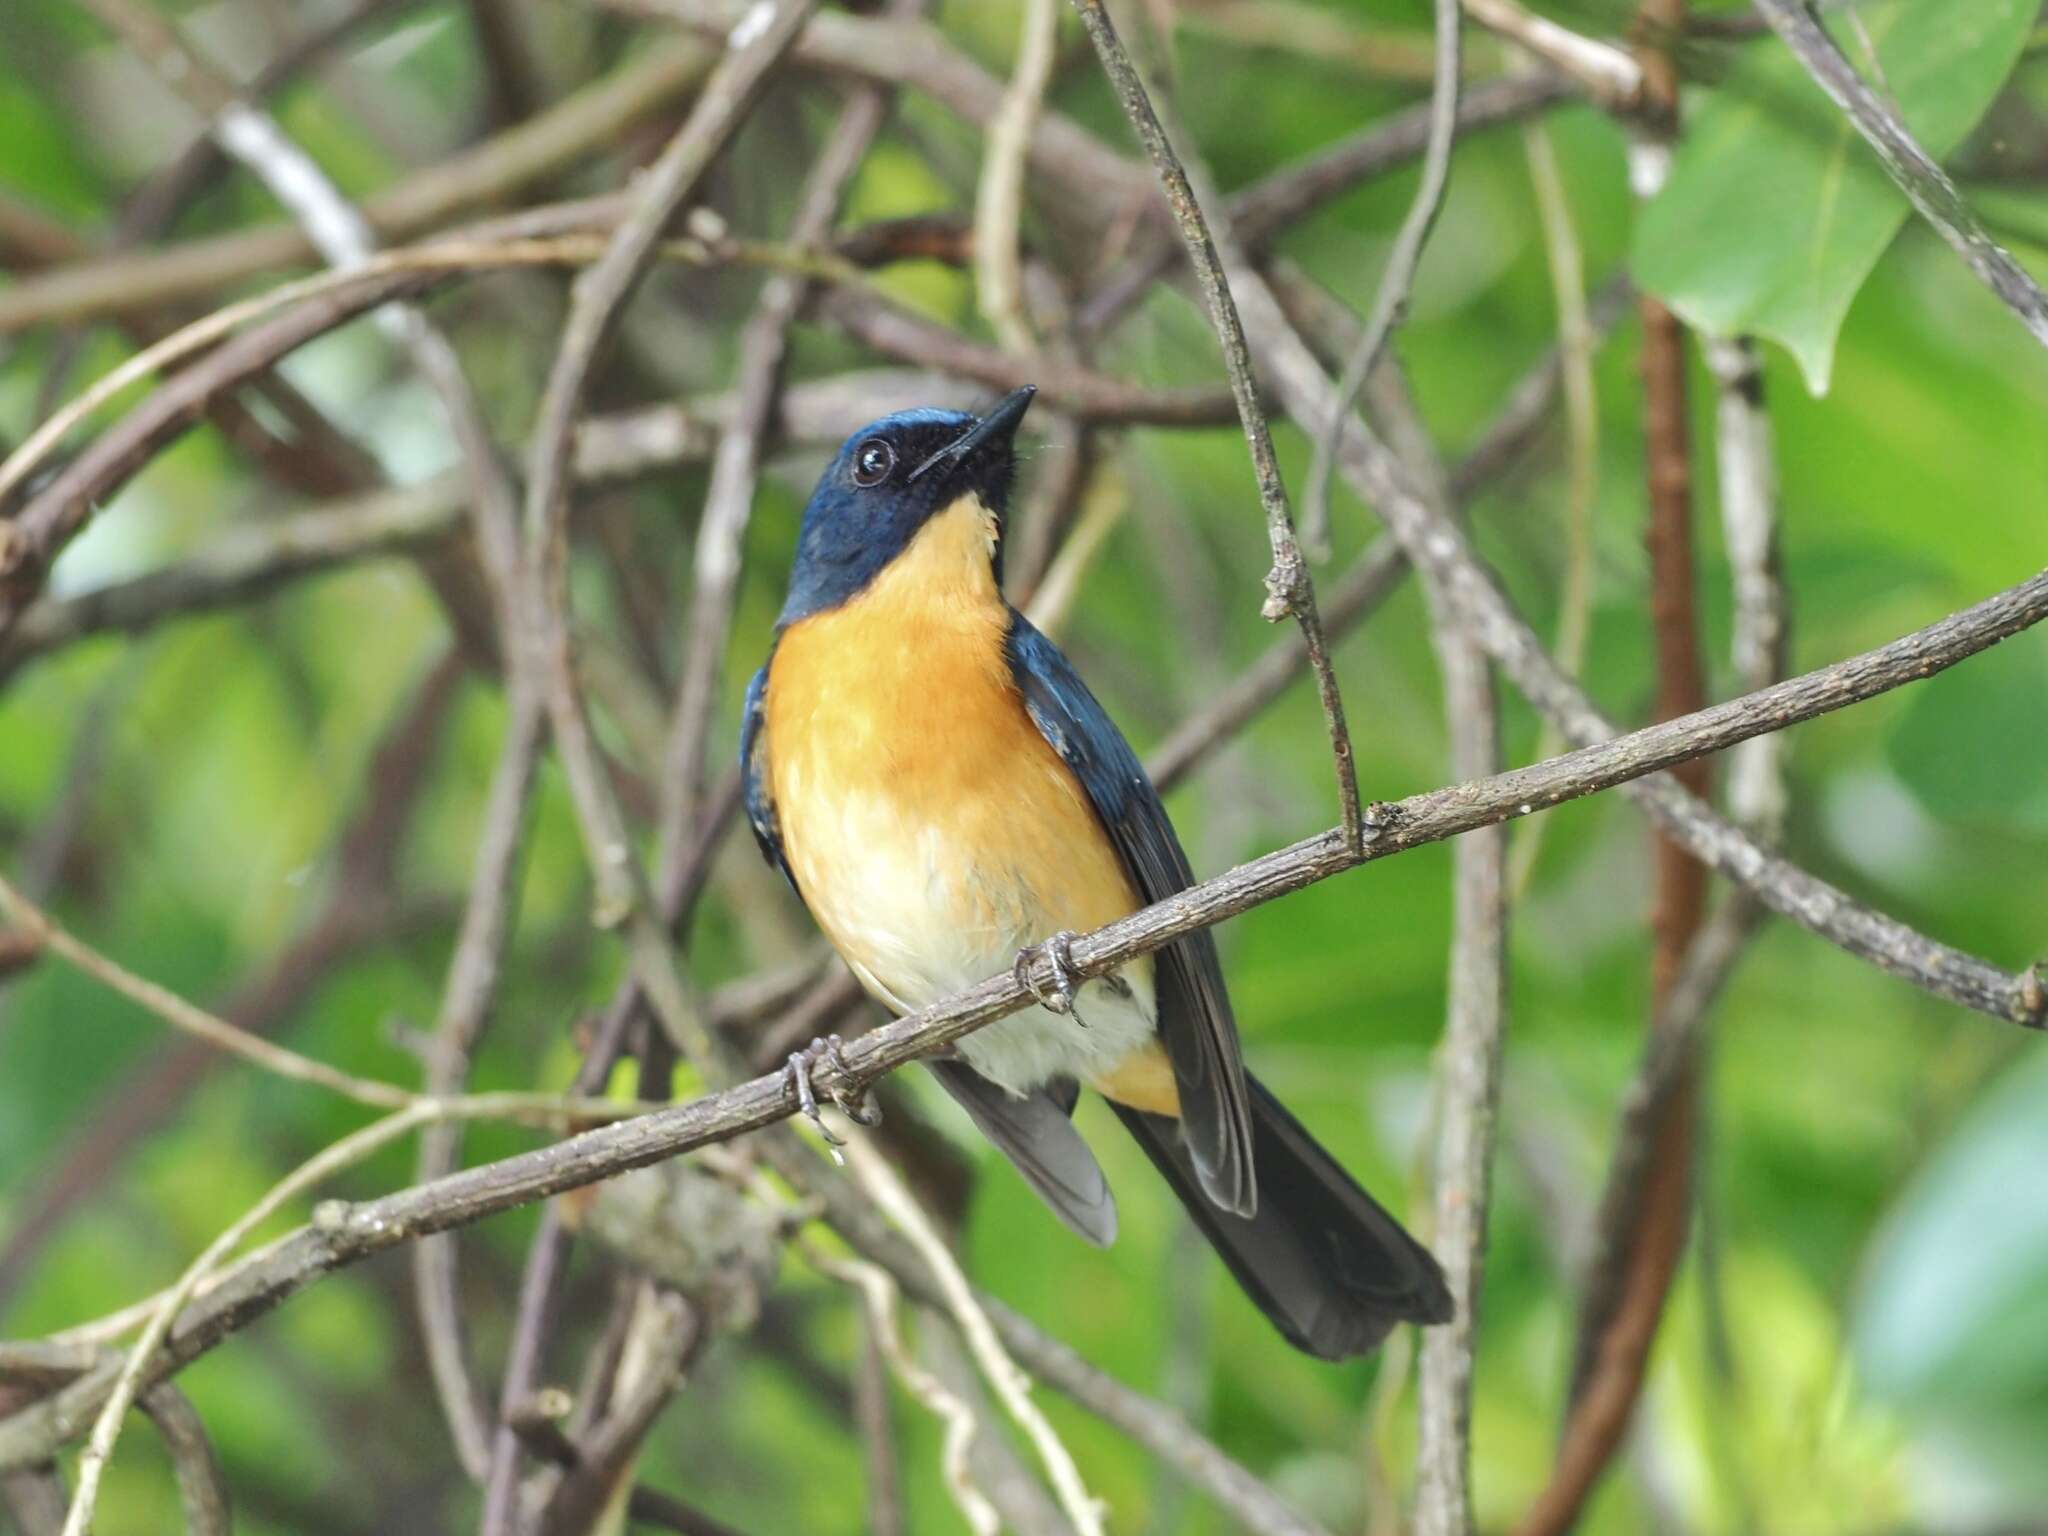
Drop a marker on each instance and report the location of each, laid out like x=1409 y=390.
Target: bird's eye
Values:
x=872 y=462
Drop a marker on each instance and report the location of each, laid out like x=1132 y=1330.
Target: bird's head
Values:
x=888 y=482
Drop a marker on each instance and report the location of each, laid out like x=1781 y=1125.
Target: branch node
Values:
x=2032 y=996
x=19 y=947
x=1380 y=817
x=1283 y=586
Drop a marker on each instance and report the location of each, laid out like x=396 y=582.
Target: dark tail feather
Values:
x=1321 y=1258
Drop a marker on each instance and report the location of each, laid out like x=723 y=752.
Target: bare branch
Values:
x=735 y=468
x=1475 y=1024
x=1608 y=74
x=1011 y=1387
x=350 y=1234
x=1749 y=521
x=1506 y=636
x=1397 y=280
x=1269 y=205
x=1289 y=587
x=1924 y=182
x=999 y=195
x=878 y=1291
x=591 y=119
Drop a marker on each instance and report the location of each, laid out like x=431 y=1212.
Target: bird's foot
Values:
x=1059 y=954
x=829 y=1050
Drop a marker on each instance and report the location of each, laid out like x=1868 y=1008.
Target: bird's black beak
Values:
x=998 y=426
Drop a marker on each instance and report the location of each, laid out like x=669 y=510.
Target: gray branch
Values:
x=346 y=1234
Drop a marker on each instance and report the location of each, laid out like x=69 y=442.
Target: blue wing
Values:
x=1195 y=1020
x=754 y=778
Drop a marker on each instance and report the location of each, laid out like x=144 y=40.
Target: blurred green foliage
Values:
x=1859 y=1341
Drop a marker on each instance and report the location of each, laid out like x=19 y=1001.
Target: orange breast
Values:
x=930 y=827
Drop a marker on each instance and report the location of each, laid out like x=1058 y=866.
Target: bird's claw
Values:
x=829 y=1049
x=1059 y=954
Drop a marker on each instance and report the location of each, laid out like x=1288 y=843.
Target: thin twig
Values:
x=1289 y=587
x=361 y=908
x=1608 y=74
x=280 y=1061
x=1575 y=342
x=597 y=300
x=872 y=1411
x=345 y=1153
x=1669 y=1066
x=1397 y=281
x=1757 y=796
x=355 y=1233
x=491 y=172
x=1431 y=541
x=467 y=997
x=1647 y=1219
x=202 y=1485
x=345 y=239
x=735 y=470
x=1372 y=577
x=1276 y=201
x=1475 y=1025
x=1010 y=1385
x=999 y=195
x=878 y=1292
x=1923 y=181
x=667 y=1336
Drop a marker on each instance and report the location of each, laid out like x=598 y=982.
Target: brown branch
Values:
x=346 y=1234
x=202 y=1486
x=470 y=990
x=1099 y=184
x=898 y=332
x=874 y=1414
x=344 y=238
x=34 y=1499
x=681 y=1333
x=32 y=540
x=511 y=79
x=1625 y=1301
x=1643 y=1216
x=1646 y=1216
x=1607 y=74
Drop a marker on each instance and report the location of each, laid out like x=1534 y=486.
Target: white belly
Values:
x=917 y=921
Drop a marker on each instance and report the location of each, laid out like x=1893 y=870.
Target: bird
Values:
x=948 y=800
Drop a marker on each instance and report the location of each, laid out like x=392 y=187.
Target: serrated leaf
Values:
x=1775 y=210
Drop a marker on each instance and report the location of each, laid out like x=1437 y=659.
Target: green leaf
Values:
x=1775 y=210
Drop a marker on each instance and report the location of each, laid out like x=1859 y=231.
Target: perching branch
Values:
x=345 y=1235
